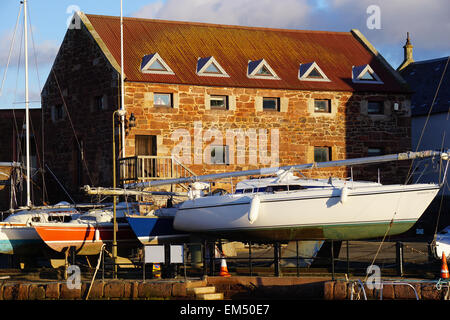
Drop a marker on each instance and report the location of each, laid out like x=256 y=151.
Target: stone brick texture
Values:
x=81 y=72
x=235 y=288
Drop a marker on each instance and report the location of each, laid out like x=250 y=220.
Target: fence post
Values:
x=399 y=256
x=277 y=258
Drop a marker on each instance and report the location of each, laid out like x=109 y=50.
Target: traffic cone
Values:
x=223 y=268
x=444 y=268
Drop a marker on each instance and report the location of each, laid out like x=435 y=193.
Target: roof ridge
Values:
x=430 y=60
x=207 y=24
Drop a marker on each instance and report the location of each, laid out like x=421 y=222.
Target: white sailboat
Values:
x=286 y=207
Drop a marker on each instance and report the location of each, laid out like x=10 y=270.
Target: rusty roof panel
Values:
x=180 y=44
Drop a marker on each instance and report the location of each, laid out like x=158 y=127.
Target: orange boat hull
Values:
x=87 y=239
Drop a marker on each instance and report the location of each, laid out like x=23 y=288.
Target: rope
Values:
x=96 y=269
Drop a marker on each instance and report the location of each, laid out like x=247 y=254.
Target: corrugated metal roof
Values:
x=180 y=44
x=423 y=78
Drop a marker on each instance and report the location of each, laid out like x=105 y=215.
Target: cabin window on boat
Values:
x=219 y=155
x=375 y=107
x=322 y=105
x=63 y=218
x=271 y=104
x=322 y=154
x=162 y=100
x=218 y=102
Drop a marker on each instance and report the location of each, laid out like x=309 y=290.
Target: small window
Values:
x=260 y=69
x=162 y=100
x=153 y=63
x=210 y=67
x=375 y=107
x=263 y=71
x=322 y=154
x=218 y=102
x=271 y=104
x=365 y=74
x=58 y=112
x=322 y=105
x=373 y=152
x=156 y=66
x=219 y=155
x=311 y=72
x=98 y=103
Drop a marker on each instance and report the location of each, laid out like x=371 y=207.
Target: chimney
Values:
x=408 y=54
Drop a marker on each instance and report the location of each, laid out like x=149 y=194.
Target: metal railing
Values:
x=144 y=168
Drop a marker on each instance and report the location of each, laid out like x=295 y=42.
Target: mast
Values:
x=27 y=115
x=122 y=94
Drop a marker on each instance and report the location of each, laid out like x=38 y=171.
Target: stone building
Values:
x=291 y=96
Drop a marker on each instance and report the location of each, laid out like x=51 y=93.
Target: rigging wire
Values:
x=10 y=50
x=72 y=126
x=41 y=162
x=409 y=171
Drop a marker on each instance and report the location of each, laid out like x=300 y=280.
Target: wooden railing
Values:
x=144 y=168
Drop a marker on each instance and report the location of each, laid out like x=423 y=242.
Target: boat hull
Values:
x=155 y=230
x=87 y=239
x=19 y=239
x=311 y=214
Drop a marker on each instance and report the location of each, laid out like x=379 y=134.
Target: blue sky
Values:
x=427 y=21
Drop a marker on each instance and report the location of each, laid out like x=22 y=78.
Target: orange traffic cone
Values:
x=444 y=268
x=223 y=268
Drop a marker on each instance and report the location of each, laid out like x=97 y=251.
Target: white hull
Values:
x=315 y=213
x=19 y=239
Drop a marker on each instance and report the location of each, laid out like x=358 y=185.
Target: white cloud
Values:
x=43 y=53
x=265 y=13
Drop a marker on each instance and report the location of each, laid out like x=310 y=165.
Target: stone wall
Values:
x=78 y=139
x=348 y=129
x=235 y=288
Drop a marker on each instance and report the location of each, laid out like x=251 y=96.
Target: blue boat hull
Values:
x=155 y=230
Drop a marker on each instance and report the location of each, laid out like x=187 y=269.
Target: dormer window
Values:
x=365 y=74
x=311 y=72
x=260 y=69
x=153 y=63
x=210 y=67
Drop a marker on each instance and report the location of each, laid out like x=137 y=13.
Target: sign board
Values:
x=176 y=253
x=154 y=254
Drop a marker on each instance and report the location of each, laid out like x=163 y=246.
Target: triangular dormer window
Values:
x=311 y=72
x=260 y=69
x=365 y=74
x=153 y=63
x=210 y=67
